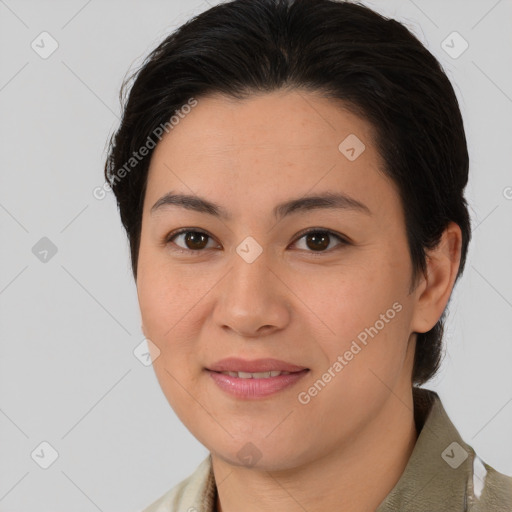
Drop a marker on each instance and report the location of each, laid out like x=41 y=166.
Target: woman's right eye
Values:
x=192 y=240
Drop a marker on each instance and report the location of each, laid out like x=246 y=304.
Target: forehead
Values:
x=267 y=148
x=292 y=121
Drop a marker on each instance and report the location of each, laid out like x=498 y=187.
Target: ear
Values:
x=434 y=290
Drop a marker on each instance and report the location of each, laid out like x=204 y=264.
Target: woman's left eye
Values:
x=316 y=240
x=320 y=239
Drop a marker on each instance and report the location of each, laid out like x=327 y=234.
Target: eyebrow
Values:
x=327 y=200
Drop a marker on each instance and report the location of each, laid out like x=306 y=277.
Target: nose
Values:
x=252 y=301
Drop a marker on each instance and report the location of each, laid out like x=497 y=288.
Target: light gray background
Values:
x=68 y=374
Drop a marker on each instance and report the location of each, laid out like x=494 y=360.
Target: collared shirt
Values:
x=443 y=474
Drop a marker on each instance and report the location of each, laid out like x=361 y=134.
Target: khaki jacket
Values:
x=443 y=474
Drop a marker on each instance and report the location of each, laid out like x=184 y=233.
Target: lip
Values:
x=255 y=388
x=236 y=364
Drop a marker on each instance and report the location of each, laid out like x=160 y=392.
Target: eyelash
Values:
x=343 y=241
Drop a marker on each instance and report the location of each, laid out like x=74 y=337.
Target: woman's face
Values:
x=252 y=285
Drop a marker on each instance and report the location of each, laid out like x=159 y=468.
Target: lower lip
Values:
x=255 y=388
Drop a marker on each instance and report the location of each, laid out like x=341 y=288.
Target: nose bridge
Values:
x=250 y=282
x=251 y=297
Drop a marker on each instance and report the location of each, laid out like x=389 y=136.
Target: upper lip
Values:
x=235 y=364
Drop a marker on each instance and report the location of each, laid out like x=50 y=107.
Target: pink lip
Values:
x=255 y=388
x=235 y=364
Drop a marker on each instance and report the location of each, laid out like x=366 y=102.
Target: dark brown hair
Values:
x=343 y=50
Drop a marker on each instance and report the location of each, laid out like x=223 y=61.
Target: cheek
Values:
x=165 y=296
x=162 y=291
x=344 y=300
x=360 y=314
x=156 y=311
x=170 y=304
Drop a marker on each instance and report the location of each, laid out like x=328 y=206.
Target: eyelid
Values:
x=341 y=238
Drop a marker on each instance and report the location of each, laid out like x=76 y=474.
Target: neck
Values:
x=355 y=478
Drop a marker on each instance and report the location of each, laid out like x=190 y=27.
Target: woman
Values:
x=291 y=178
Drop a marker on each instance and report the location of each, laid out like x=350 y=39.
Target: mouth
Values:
x=256 y=368
x=256 y=375
x=255 y=379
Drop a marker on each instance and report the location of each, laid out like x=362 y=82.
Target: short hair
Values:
x=343 y=50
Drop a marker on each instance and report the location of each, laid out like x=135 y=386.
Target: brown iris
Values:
x=196 y=240
x=317 y=240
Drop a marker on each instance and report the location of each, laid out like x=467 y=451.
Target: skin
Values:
x=292 y=303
